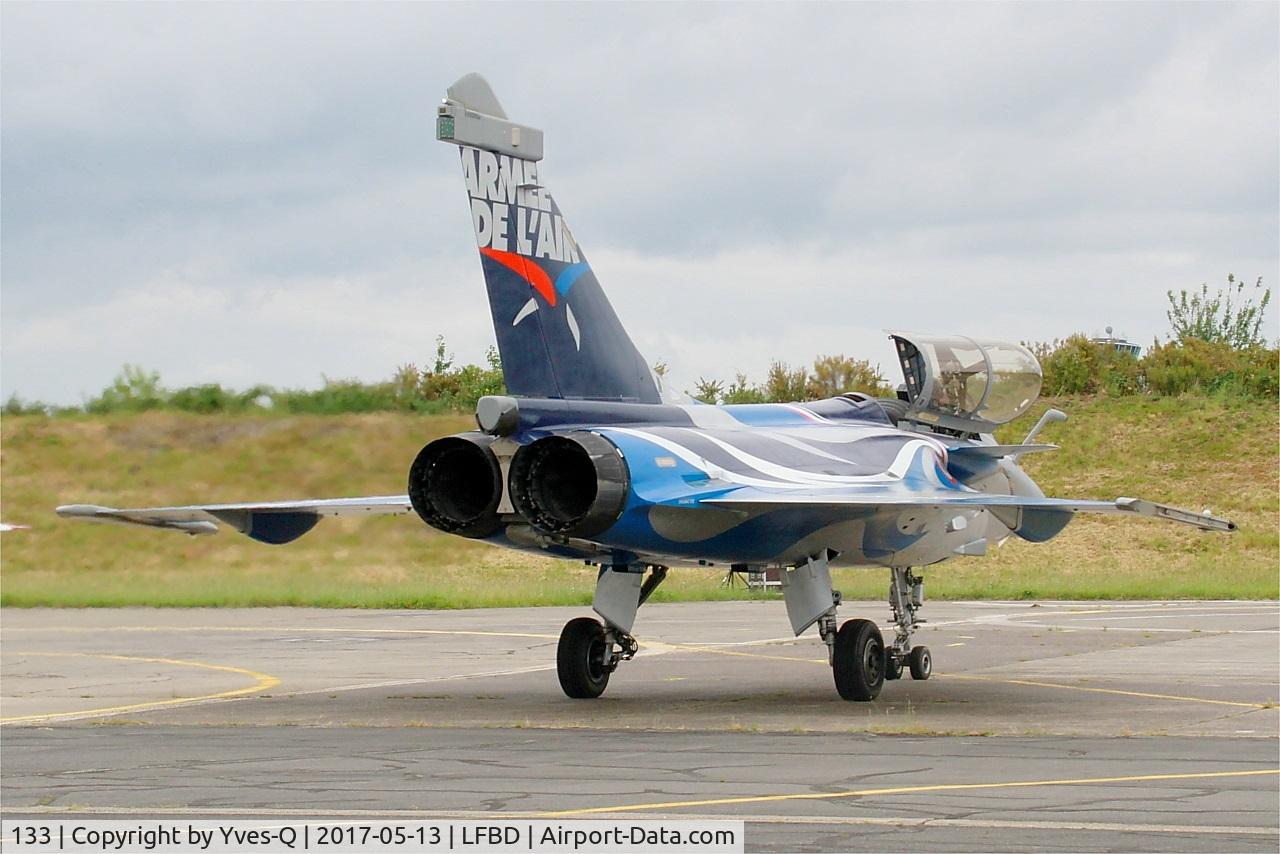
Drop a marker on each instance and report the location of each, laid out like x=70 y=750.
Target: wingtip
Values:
x=73 y=511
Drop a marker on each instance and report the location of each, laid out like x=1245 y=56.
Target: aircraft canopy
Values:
x=966 y=383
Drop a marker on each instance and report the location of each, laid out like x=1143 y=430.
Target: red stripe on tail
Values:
x=526 y=269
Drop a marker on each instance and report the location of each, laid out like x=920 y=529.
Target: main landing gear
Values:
x=589 y=651
x=860 y=661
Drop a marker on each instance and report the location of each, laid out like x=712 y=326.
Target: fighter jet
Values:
x=586 y=459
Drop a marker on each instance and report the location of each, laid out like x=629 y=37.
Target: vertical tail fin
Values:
x=557 y=334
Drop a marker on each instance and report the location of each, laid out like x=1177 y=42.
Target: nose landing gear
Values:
x=920 y=662
x=906 y=596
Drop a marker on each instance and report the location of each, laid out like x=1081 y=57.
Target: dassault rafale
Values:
x=587 y=459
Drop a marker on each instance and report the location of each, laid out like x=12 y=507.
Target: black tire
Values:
x=859 y=660
x=921 y=662
x=892 y=666
x=580 y=659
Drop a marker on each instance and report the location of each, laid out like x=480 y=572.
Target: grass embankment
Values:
x=1190 y=452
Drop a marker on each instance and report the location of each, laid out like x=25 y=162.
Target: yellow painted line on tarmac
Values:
x=907 y=790
x=977 y=677
x=262 y=682
x=278 y=630
x=1144 y=694
x=655 y=645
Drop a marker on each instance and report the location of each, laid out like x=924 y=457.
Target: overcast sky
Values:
x=252 y=193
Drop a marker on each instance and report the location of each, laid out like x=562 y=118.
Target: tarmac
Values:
x=1135 y=726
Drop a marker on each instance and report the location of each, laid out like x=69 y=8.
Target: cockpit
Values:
x=966 y=384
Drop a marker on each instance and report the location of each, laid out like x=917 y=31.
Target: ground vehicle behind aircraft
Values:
x=584 y=459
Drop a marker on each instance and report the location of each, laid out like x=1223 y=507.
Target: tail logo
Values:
x=511 y=211
x=518 y=226
x=541 y=283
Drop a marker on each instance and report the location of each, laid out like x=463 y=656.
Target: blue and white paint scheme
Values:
x=586 y=460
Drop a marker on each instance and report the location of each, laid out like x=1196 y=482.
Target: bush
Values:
x=133 y=390
x=831 y=376
x=708 y=391
x=1077 y=365
x=204 y=399
x=436 y=389
x=337 y=396
x=836 y=375
x=17 y=406
x=1196 y=366
x=1225 y=317
x=783 y=385
x=445 y=387
x=475 y=382
x=1260 y=376
x=741 y=391
x=1074 y=365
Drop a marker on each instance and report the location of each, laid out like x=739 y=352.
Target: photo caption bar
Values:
x=176 y=836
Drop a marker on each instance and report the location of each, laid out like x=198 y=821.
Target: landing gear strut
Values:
x=855 y=650
x=587 y=655
x=860 y=660
x=589 y=650
x=906 y=596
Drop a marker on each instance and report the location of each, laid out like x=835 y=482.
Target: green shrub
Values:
x=1195 y=366
x=1260 y=372
x=17 y=406
x=204 y=398
x=708 y=391
x=1072 y=366
x=783 y=385
x=836 y=375
x=1228 y=316
x=742 y=391
x=1076 y=365
x=440 y=388
x=444 y=386
x=337 y=396
x=475 y=382
x=133 y=390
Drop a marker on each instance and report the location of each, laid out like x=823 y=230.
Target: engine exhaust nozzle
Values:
x=573 y=485
x=455 y=484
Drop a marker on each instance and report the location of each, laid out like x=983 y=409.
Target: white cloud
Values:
x=250 y=193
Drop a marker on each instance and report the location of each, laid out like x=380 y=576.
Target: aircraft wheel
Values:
x=581 y=659
x=859 y=665
x=892 y=666
x=921 y=662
